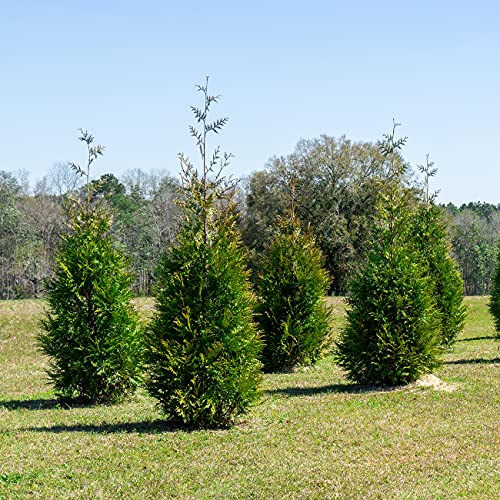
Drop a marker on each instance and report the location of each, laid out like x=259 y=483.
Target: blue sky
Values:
x=127 y=70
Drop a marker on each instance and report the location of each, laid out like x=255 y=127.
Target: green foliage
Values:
x=292 y=314
x=446 y=285
x=336 y=184
x=494 y=304
x=92 y=333
x=475 y=242
x=10 y=219
x=202 y=347
x=391 y=336
x=392 y=331
x=144 y=218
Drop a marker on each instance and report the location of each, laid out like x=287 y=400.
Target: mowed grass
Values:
x=314 y=434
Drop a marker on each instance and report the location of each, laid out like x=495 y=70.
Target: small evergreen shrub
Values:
x=495 y=298
x=292 y=314
x=445 y=281
x=91 y=331
x=202 y=347
x=392 y=332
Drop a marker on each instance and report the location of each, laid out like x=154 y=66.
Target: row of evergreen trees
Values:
x=202 y=354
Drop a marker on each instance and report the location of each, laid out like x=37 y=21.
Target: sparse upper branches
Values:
x=93 y=153
x=215 y=165
x=429 y=171
x=209 y=186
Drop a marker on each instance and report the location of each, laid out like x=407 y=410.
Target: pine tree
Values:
x=392 y=331
x=430 y=237
x=494 y=304
x=202 y=347
x=292 y=284
x=91 y=332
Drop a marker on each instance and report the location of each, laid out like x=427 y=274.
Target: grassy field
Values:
x=314 y=435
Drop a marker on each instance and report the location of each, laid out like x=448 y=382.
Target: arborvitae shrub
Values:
x=92 y=332
x=446 y=284
x=202 y=347
x=495 y=298
x=392 y=332
x=292 y=314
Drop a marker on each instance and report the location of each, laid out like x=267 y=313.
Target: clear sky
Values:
x=127 y=70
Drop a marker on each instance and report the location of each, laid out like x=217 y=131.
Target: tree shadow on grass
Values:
x=144 y=427
x=486 y=337
x=329 y=389
x=46 y=404
x=34 y=404
x=477 y=361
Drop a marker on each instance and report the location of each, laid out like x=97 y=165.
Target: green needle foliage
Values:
x=91 y=332
x=431 y=241
x=202 y=347
x=494 y=304
x=392 y=332
x=446 y=284
x=292 y=314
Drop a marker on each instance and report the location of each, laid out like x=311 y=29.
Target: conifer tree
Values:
x=431 y=240
x=91 y=331
x=392 y=331
x=292 y=284
x=494 y=304
x=202 y=347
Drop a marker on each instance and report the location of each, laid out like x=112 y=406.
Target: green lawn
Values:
x=314 y=435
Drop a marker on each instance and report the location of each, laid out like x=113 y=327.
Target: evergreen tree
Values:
x=495 y=298
x=203 y=346
x=292 y=314
x=392 y=331
x=91 y=331
x=431 y=240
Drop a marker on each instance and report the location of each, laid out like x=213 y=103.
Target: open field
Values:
x=314 y=435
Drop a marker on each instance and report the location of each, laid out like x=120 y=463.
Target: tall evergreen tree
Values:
x=494 y=304
x=446 y=284
x=292 y=314
x=202 y=347
x=430 y=237
x=392 y=331
x=92 y=332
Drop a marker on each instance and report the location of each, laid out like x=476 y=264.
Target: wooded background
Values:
x=333 y=182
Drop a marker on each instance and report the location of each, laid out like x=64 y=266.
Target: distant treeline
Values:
x=334 y=184
x=475 y=237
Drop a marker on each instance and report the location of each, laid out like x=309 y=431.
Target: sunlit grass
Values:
x=313 y=435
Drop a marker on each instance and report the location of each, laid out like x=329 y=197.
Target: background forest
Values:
x=334 y=184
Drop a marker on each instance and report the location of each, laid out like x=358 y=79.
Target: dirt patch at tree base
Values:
x=430 y=380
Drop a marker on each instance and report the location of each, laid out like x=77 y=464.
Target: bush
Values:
x=392 y=331
x=292 y=314
x=446 y=284
x=202 y=347
x=391 y=336
x=494 y=304
x=91 y=332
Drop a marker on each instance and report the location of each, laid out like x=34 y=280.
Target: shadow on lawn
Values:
x=328 y=389
x=477 y=361
x=145 y=427
x=34 y=404
x=487 y=337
